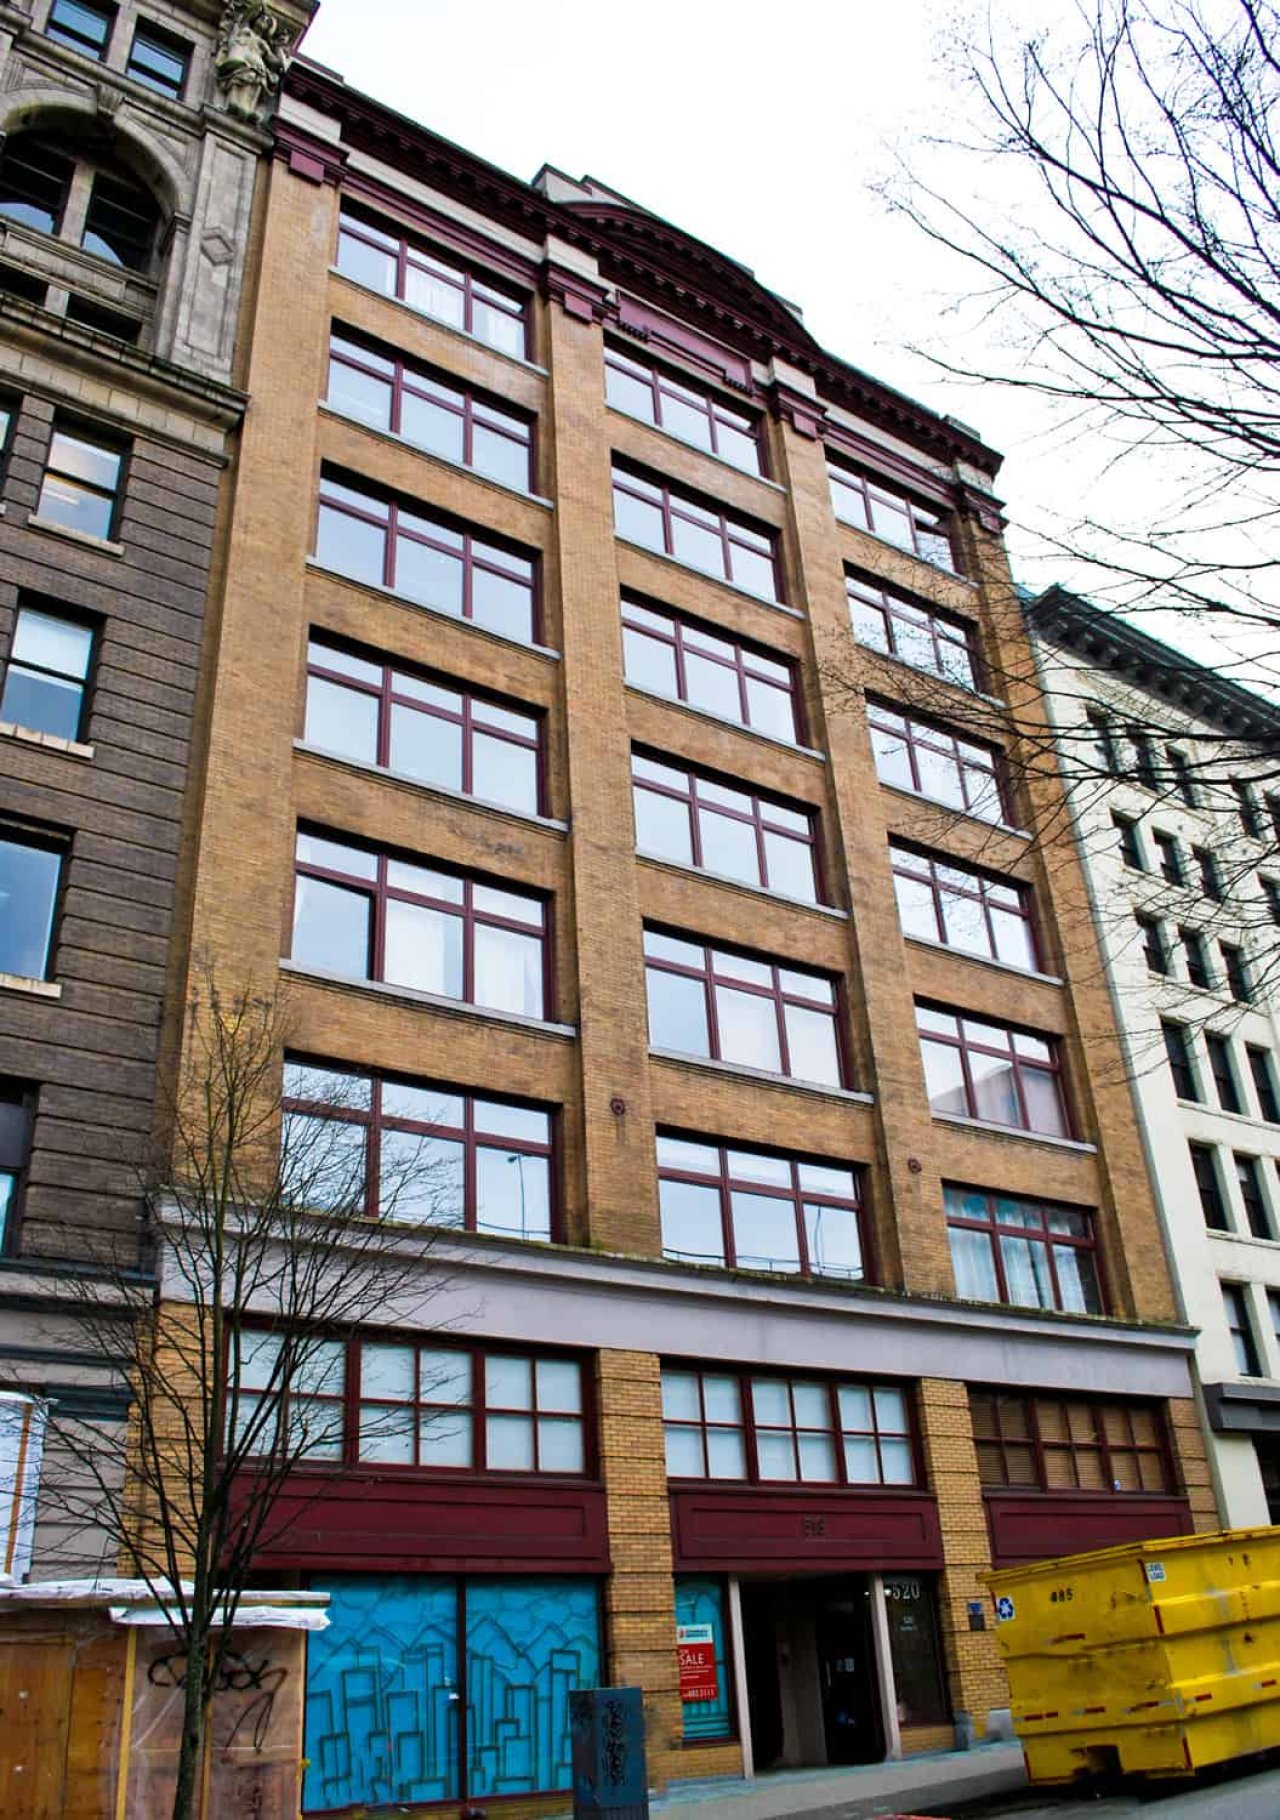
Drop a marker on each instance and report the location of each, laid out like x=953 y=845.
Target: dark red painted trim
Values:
x=667 y=334
x=1039 y=1526
x=816 y=1529
x=308 y=156
x=807 y=416
x=887 y=464
x=405 y=211
x=578 y=296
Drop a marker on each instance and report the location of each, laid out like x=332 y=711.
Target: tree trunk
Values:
x=186 y=1793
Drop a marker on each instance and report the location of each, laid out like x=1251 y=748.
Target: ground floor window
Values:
x=910 y=1605
x=702 y=1648
x=436 y=1688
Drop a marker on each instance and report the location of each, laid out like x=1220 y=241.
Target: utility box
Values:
x=610 y=1777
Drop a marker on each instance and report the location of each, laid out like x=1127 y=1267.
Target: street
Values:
x=1227 y=1796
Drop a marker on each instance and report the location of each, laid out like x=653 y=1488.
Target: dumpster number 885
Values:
x=1062 y=1595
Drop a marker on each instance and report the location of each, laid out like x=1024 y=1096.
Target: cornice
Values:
x=578 y=296
x=307 y=155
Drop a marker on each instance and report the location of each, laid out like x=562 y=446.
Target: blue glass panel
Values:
x=529 y=1642
x=702 y=1602
x=381 y=1725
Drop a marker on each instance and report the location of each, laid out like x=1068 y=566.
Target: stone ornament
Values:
x=252 y=53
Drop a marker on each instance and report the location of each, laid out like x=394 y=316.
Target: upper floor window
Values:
x=715 y=674
x=1210 y=874
x=15 y=1143
x=1182 y=1066
x=990 y=1071
x=1247 y=807
x=83 y=24
x=906 y=629
x=46 y=678
x=733 y=1007
x=1154 y=947
x=684 y=410
x=30 y=872
x=439 y=287
x=390 y=544
x=705 y=536
x=1204 y=1166
x=159 y=60
x=1044 y=1443
x=758 y=1210
x=814 y=1431
x=370 y=915
x=120 y=222
x=432 y=731
x=1271 y=894
x=35 y=182
x=1196 y=951
x=694 y=820
x=1264 y=1083
x=873 y=505
x=928 y=760
x=1244 y=1341
x=1253 y=1196
x=446 y=419
x=975 y=912
x=1223 y=1069
x=81 y=485
x=1130 y=841
x=1028 y=1253
x=1184 y=776
x=1169 y=849
x=427 y=1155
x=1144 y=757
x=1103 y=741
x=1233 y=961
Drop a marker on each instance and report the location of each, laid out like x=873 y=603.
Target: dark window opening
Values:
x=120 y=224
x=1204 y=1163
x=1177 y=1048
x=1224 y=1073
x=35 y=178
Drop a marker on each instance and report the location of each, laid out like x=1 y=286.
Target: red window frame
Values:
x=889 y=609
x=957 y=1204
x=380 y=892
x=966 y=756
x=930 y=524
x=717 y=412
x=924 y=869
x=748 y=664
x=1019 y=1064
x=471 y=718
x=758 y=818
x=451 y=271
x=733 y=530
x=1038 y=1428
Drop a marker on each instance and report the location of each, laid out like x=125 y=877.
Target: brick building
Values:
x=566 y=758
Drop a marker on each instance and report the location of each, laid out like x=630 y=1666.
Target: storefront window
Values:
x=701 y=1633
x=910 y=1606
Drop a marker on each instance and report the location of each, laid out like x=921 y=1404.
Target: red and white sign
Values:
x=696 y=1652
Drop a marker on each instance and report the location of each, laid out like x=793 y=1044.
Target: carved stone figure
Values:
x=252 y=52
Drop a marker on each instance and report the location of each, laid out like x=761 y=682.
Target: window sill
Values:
x=678 y=442
x=930 y=568
x=325 y=409
x=1242 y=1238
x=736 y=884
x=446 y=328
x=984 y=960
x=432 y=1001
x=1237 y=1118
x=963 y=815
x=104 y=544
x=440 y=791
x=715 y=581
x=422 y=606
x=52 y=742
x=20 y=982
x=1013 y=1131
x=741 y=1071
x=722 y=720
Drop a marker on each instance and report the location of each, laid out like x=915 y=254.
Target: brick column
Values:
x=1192 y=1461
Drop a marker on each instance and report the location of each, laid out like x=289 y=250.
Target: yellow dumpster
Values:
x=1156 y=1659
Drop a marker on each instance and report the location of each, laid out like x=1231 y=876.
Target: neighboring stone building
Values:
x=1179 y=832
x=126 y=199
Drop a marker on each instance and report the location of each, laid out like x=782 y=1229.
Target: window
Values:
x=992 y=1072
x=1271 y=892
x=381 y=389
x=1183 y=776
x=1264 y=1083
x=758 y=1210
x=1240 y=1326
x=742 y=1008
x=437 y=287
x=696 y=532
x=1210 y=876
x=1144 y=758
x=81 y=486
x=104 y=322
x=1247 y=807
x=727 y=1425
x=1224 y=1074
x=1177 y=1048
x=286 y=1399
x=1249 y=1176
x=975 y=912
x=35 y=180
x=440 y=734
x=1204 y=1164
x=30 y=870
x=1237 y=973
x=83 y=24
x=120 y=222
x=389 y=544
x=872 y=505
x=912 y=632
x=367 y=915
x=915 y=755
x=1273 y=813
x=1170 y=857
x=1130 y=841
x=1196 y=950
x=1153 y=943
x=45 y=681
x=1041 y=1443
x=15 y=1142
x=684 y=410
x=158 y=60
x=1273 y=1306
x=423 y=1154
x=715 y=674
x=694 y=820
x=1103 y=741
x=1027 y=1253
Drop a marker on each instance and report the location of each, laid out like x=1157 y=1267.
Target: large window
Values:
x=697 y=417
x=35 y=181
x=419 y=1153
x=435 y=414
x=718 y=675
x=30 y=869
x=46 y=678
x=906 y=629
x=785 y=1431
x=873 y=505
x=695 y=820
x=83 y=24
x=1029 y=1253
x=120 y=221
x=758 y=1210
x=370 y=915
x=696 y=532
x=940 y=901
x=1041 y=1443
x=432 y=731
x=389 y=544
x=15 y=1142
x=915 y=755
x=439 y=287
x=81 y=485
x=988 y=1071
x=733 y=1007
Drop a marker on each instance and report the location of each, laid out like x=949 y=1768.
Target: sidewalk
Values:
x=932 y=1783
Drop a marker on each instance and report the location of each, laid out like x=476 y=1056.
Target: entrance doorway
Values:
x=812 y=1692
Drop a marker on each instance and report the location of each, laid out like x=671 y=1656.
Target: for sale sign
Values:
x=696 y=1650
